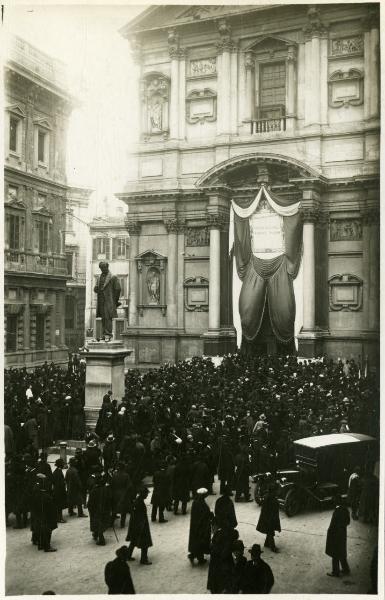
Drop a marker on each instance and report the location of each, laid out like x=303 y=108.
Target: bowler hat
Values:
x=122 y=552
x=255 y=550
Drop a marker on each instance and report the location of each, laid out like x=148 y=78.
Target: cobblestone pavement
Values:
x=78 y=566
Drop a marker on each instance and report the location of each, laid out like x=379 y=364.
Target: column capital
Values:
x=217 y=221
x=310 y=214
x=173 y=44
x=225 y=44
x=174 y=225
x=249 y=61
x=314 y=26
x=291 y=54
x=133 y=227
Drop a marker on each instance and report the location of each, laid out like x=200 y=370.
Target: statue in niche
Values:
x=156 y=115
x=153 y=286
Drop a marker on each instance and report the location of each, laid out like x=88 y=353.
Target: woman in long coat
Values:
x=269 y=521
x=219 y=578
x=138 y=533
x=200 y=528
x=336 y=539
x=59 y=489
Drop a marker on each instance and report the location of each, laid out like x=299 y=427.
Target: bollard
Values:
x=63 y=452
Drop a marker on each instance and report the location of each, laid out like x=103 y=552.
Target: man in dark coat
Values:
x=43 y=517
x=200 y=475
x=122 y=493
x=138 y=533
x=221 y=560
x=226 y=465
x=257 y=577
x=240 y=562
x=74 y=490
x=269 y=521
x=109 y=452
x=117 y=573
x=100 y=509
x=181 y=487
x=161 y=493
x=336 y=539
x=224 y=510
x=242 y=474
x=59 y=490
x=200 y=528
x=108 y=290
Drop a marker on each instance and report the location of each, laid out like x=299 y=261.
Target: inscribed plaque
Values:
x=266 y=233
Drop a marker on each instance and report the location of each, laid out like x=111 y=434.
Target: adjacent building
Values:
x=76 y=243
x=233 y=97
x=37 y=108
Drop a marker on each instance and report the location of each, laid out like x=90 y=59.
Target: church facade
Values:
x=240 y=102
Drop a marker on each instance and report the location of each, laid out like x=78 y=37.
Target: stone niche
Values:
x=152 y=268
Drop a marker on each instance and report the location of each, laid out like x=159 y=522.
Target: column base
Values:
x=218 y=342
x=310 y=343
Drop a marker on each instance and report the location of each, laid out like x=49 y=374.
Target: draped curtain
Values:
x=267 y=279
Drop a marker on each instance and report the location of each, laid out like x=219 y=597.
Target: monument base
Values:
x=310 y=343
x=219 y=342
x=104 y=372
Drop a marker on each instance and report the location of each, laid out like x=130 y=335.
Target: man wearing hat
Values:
x=109 y=452
x=138 y=533
x=269 y=521
x=59 y=489
x=224 y=510
x=74 y=489
x=100 y=509
x=257 y=576
x=200 y=528
x=240 y=562
x=117 y=573
x=43 y=515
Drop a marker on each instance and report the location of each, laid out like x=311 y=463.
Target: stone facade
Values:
x=76 y=244
x=233 y=96
x=37 y=108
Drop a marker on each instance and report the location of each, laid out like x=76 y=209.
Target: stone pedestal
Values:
x=104 y=371
x=219 y=342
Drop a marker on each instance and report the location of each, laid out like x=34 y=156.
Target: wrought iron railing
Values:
x=27 y=262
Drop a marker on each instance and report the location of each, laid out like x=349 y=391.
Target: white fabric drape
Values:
x=284 y=211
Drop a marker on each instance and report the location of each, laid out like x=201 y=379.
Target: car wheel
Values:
x=292 y=504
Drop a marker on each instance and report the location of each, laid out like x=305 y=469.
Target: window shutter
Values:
x=22 y=234
x=6 y=232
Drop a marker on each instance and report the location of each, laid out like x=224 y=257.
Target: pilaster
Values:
x=133 y=228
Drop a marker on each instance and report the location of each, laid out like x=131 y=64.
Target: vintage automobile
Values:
x=323 y=466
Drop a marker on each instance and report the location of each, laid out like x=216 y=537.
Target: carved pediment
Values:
x=17 y=110
x=150 y=257
x=42 y=211
x=17 y=204
x=44 y=123
x=200 y=12
x=269 y=42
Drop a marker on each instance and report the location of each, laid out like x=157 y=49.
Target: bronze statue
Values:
x=108 y=291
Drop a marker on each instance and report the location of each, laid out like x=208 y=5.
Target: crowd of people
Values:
x=183 y=425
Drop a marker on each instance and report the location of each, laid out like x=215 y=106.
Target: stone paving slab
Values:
x=78 y=566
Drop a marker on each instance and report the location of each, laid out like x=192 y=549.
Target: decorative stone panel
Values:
x=201 y=106
x=197 y=236
x=352 y=45
x=346 y=88
x=342 y=230
x=202 y=67
x=345 y=293
x=196 y=294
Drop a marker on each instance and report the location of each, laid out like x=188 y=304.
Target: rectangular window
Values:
x=41 y=146
x=11 y=333
x=14 y=232
x=70 y=308
x=40 y=332
x=70 y=263
x=120 y=247
x=14 y=124
x=43 y=237
x=272 y=90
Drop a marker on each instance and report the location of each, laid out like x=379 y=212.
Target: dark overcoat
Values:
x=225 y=513
x=161 y=493
x=337 y=534
x=200 y=527
x=108 y=299
x=181 y=486
x=59 y=489
x=74 y=487
x=100 y=508
x=269 y=521
x=200 y=475
x=257 y=578
x=43 y=512
x=221 y=562
x=117 y=576
x=122 y=492
x=139 y=529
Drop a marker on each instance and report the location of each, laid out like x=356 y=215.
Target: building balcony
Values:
x=262 y=126
x=25 y=262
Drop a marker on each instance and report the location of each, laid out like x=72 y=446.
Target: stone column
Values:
x=314 y=30
x=375 y=71
x=309 y=217
x=62 y=341
x=181 y=275
x=133 y=228
x=172 y=266
x=291 y=87
x=214 y=272
x=233 y=90
x=371 y=64
x=173 y=47
x=182 y=93
x=371 y=263
x=27 y=319
x=225 y=47
x=250 y=86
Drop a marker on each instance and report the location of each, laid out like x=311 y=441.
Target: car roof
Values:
x=333 y=439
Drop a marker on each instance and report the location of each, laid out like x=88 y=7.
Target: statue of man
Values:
x=108 y=291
